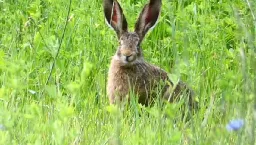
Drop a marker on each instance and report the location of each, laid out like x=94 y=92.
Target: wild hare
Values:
x=128 y=70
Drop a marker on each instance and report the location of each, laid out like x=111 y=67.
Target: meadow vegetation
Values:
x=209 y=44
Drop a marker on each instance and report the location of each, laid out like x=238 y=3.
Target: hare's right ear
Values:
x=114 y=16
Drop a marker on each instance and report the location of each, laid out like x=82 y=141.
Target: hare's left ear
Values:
x=148 y=17
x=114 y=16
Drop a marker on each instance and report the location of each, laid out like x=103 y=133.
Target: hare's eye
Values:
x=138 y=47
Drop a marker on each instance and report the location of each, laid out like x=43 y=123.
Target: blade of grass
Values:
x=254 y=68
x=61 y=40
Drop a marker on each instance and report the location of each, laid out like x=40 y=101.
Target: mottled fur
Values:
x=128 y=70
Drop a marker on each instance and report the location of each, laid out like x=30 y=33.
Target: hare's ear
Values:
x=114 y=16
x=148 y=17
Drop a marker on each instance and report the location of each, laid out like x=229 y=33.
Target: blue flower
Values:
x=2 y=127
x=235 y=125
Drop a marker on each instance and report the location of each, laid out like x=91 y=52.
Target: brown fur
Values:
x=128 y=71
x=142 y=77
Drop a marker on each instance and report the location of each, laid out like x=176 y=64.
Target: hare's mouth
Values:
x=128 y=59
x=125 y=61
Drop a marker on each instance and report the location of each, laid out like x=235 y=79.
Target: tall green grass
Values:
x=208 y=44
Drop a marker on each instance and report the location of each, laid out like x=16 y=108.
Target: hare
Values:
x=128 y=70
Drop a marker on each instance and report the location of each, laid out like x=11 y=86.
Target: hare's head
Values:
x=129 y=51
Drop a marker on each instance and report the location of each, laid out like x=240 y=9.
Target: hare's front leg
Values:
x=117 y=94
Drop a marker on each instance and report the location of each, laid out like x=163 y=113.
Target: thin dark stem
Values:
x=61 y=40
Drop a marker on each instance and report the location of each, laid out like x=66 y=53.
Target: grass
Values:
x=208 y=44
